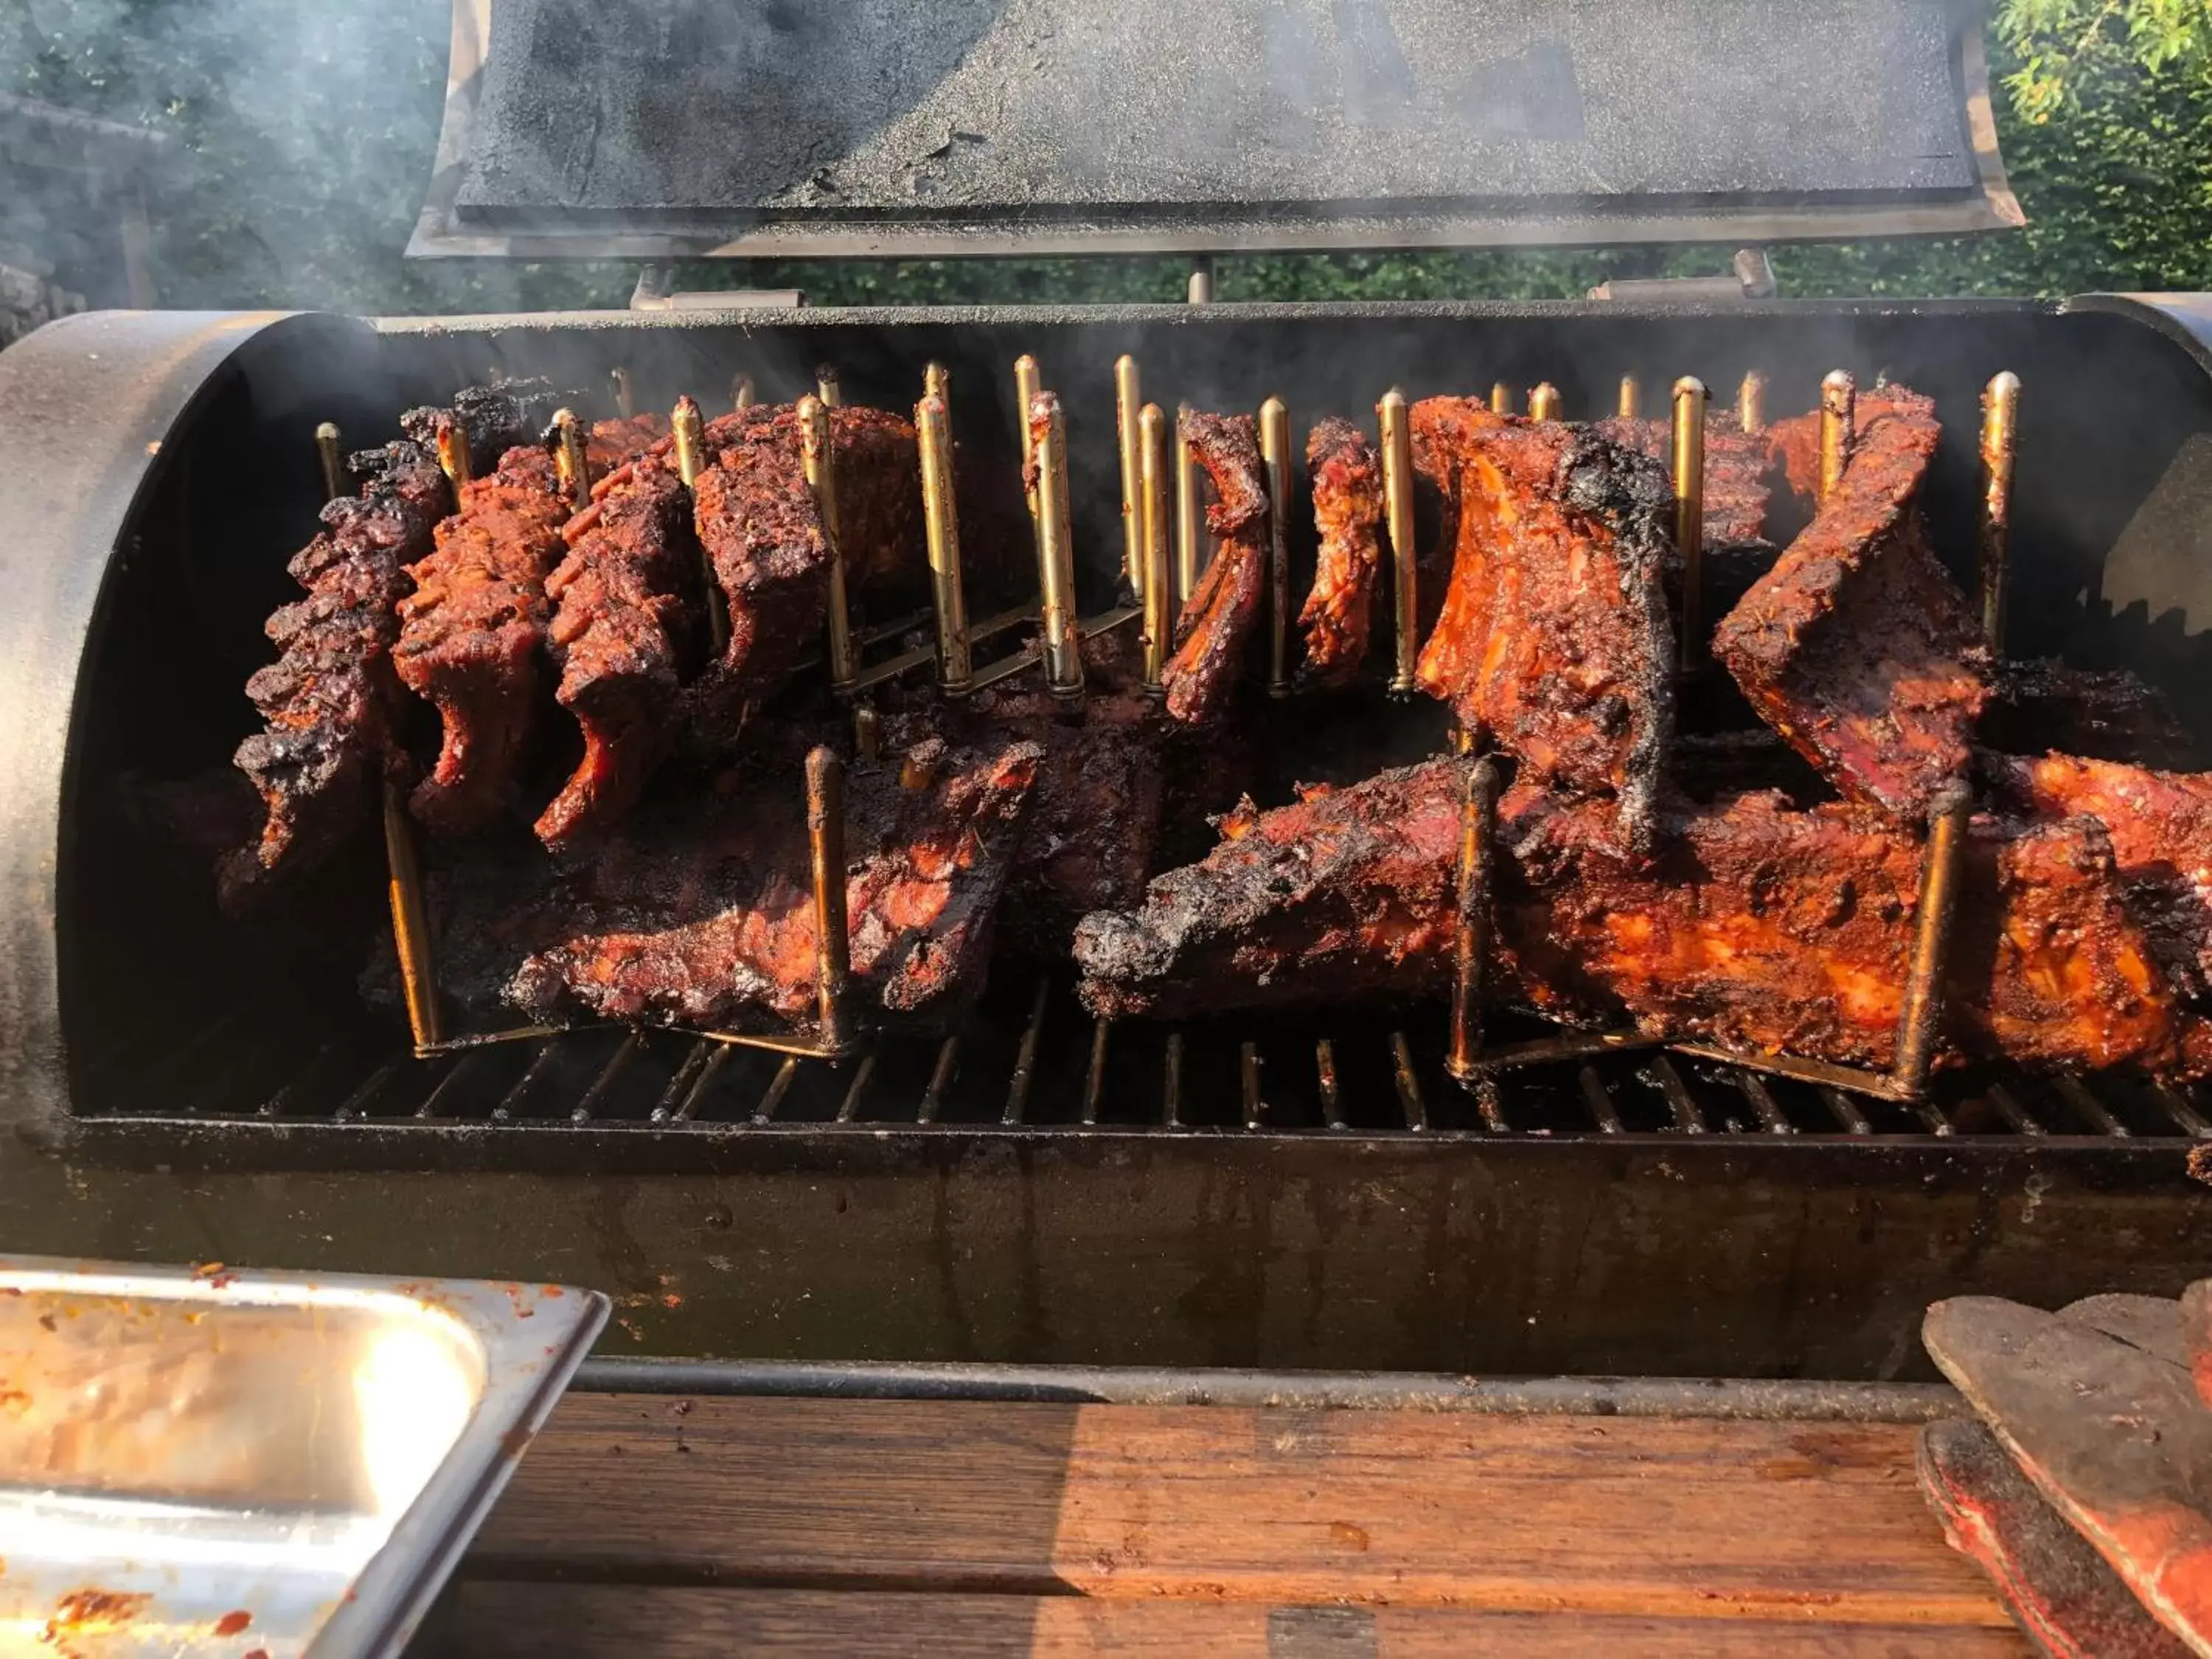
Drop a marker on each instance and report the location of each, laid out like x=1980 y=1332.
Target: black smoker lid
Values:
x=885 y=128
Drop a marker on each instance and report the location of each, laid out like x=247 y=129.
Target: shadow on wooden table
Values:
x=652 y=1527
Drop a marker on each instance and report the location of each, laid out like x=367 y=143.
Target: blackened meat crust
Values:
x=621 y=635
x=495 y=418
x=1555 y=640
x=472 y=633
x=709 y=921
x=1347 y=498
x=1736 y=479
x=2105 y=714
x=1760 y=926
x=1858 y=646
x=1219 y=618
x=331 y=701
x=1092 y=830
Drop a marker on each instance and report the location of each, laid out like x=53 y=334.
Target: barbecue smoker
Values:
x=1311 y=1191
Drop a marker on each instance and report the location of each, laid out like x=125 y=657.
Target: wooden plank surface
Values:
x=586 y=1621
x=1655 y=1519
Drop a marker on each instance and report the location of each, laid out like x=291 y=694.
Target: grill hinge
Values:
x=1751 y=278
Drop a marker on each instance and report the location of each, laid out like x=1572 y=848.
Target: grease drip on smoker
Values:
x=1737 y=767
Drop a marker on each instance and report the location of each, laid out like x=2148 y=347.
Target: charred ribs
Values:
x=492 y=419
x=1757 y=927
x=1091 y=832
x=470 y=635
x=474 y=631
x=2104 y=714
x=1555 y=640
x=707 y=917
x=621 y=635
x=331 y=701
x=769 y=549
x=1348 y=502
x=1858 y=646
x=1219 y=618
x=1736 y=480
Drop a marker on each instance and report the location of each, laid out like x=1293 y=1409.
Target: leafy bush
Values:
x=305 y=133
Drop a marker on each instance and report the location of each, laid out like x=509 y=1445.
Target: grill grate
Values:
x=1039 y=1063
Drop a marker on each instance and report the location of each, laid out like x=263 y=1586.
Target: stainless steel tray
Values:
x=205 y=1461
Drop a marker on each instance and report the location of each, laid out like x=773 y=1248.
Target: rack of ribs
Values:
x=706 y=916
x=2160 y=828
x=1757 y=927
x=1092 y=830
x=765 y=540
x=331 y=701
x=470 y=633
x=1793 y=455
x=1442 y=430
x=473 y=633
x=621 y=635
x=1858 y=646
x=1555 y=640
x=1224 y=606
x=1348 y=502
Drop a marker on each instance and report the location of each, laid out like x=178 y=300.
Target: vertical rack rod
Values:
x=1688 y=455
x=1275 y=458
x=1398 y=511
x=1153 y=466
x=2000 y=441
x=818 y=443
x=956 y=667
x=1062 y=628
x=825 y=837
x=1478 y=835
x=1128 y=400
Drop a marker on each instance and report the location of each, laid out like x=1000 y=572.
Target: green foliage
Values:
x=305 y=131
x=2058 y=46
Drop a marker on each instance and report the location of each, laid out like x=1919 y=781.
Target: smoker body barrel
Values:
x=157 y=472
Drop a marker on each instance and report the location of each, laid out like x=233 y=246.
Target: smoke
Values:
x=302 y=133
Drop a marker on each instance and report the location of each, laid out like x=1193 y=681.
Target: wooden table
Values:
x=643 y=1525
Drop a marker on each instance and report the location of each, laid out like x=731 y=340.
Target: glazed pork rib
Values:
x=1555 y=640
x=1443 y=430
x=1347 y=498
x=621 y=635
x=1219 y=618
x=330 y=702
x=473 y=633
x=708 y=919
x=2160 y=828
x=470 y=634
x=770 y=552
x=1758 y=926
x=757 y=521
x=1858 y=646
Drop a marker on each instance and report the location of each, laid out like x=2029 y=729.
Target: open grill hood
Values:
x=661 y=129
